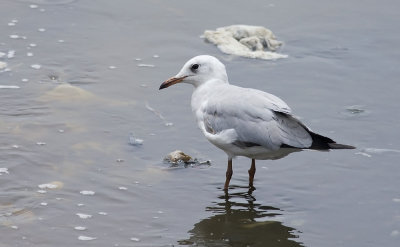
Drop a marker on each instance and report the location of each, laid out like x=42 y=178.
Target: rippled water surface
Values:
x=79 y=81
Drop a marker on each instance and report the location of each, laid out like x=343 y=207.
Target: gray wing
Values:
x=257 y=118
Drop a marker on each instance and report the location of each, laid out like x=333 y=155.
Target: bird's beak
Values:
x=172 y=81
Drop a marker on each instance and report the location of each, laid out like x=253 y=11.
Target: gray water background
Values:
x=69 y=125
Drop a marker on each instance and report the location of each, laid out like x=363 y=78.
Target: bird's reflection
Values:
x=239 y=220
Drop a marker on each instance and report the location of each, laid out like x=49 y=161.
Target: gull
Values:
x=244 y=121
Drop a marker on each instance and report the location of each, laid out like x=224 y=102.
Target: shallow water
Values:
x=82 y=77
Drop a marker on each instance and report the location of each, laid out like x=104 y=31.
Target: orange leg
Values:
x=252 y=171
x=229 y=173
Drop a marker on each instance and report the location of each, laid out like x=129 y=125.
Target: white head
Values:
x=199 y=70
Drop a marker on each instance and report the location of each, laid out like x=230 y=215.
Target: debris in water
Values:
x=177 y=158
x=146 y=65
x=134 y=141
x=245 y=41
x=36 y=66
x=4 y=171
x=86 y=238
x=9 y=87
x=87 y=192
x=80 y=228
x=84 y=216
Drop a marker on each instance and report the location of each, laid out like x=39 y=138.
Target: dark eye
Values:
x=194 y=67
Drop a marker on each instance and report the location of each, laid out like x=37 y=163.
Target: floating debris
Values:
x=84 y=216
x=87 y=192
x=179 y=158
x=4 y=171
x=146 y=65
x=3 y=65
x=9 y=87
x=36 y=66
x=48 y=186
x=246 y=41
x=80 y=228
x=11 y=54
x=134 y=141
x=86 y=238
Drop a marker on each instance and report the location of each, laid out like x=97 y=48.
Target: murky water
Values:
x=79 y=78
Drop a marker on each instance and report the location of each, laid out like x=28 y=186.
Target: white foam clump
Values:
x=102 y=213
x=48 y=186
x=122 y=188
x=11 y=54
x=14 y=36
x=86 y=238
x=381 y=150
x=135 y=239
x=246 y=41
x=2 y=54
x=4 y=171
x=87 y=192
x=84 y=216
x=33 y=6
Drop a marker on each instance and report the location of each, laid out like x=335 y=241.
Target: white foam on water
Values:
x=4 y=171
x=395 y=233
x=33 y=6
x=60 y=41
x=24 y=80
x=364 y=154
x=112 y=67
x=84 y=216
x=29 y=54
x=14 y=21
x=381 y=150
x=48 y=186
x=135 y=239
x=138 y=59
x=11 y=24
x=86 y=238
x=2 y=54
x=44 y=203
x=80 y=228
x=122 y=188
x=3 y=65
x=102 y=213
x=80 y=204
x=14 y=36
x=32 y=45
x=156 y=56
x=15 y=227
x=396 y=199
x=36 y=66
x=42 y=30
x=41 y=191
x=87 y=192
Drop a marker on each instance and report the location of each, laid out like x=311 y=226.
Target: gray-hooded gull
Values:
x=244 y=121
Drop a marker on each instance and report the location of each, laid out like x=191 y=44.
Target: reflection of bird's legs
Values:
x=252 y=171
x=229 y=173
